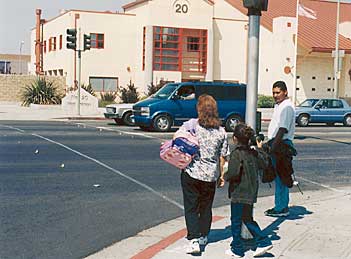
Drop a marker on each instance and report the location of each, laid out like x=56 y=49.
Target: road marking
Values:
x=322 y=185
x=321 y=158
x=105 y=166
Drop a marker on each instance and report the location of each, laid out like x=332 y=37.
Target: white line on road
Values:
x=105 y=166
x=322 y=185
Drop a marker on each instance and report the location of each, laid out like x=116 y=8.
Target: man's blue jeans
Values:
x=236 y=221
x=281 y=196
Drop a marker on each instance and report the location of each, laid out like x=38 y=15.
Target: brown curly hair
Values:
x=208 y=112
x=243 y=133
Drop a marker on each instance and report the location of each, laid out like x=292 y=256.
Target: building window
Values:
x=166 y=49
x=5 y=67
x=104 y=84
x=144 y=38
x=54 y=43
x=97 y=40
x=50 y=44
x=60 y=41
x=180 y=49
x=44 y=45
x=60 y=72
x=193 y=43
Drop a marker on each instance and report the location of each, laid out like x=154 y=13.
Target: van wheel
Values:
x=162 y=123
x=347 y=120
x=127 y=119
x=231 y=122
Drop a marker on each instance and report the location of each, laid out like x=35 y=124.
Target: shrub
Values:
x=41 y=91
x=151 y=89
x=265 y=101
x=107 y=98
x=89 y=89
x=129 y=94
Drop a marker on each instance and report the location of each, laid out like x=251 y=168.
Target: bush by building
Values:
x=41 y=91
x=265 y=101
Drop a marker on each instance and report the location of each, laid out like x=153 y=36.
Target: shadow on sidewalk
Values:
x=295 y=212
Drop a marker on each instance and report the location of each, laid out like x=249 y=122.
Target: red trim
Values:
x=151 y=251
x=60 y=41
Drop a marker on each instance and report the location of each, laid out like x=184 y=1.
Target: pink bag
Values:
x=174 y=156
x=184 y=146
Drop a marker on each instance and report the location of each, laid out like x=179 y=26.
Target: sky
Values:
x=17 y=18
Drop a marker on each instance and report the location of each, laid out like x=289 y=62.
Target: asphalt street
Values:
x=69 y=189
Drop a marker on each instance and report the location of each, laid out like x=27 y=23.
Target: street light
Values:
x=20 y=58
x=337 y=56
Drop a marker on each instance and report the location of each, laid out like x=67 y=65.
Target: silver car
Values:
x=121 y=113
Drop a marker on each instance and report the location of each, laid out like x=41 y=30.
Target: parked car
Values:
x=175 y=103
x=121 y=113
x=327 y=111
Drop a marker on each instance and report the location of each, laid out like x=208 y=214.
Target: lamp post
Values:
x=336 y=58
x=20 y=57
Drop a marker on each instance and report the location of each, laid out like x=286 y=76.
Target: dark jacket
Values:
x=283 y=157
x=243 y=170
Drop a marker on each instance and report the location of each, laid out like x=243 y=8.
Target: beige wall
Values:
x=11 y=86
x=227 y=30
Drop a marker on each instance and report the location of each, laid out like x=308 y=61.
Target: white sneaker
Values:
x=230 y=253
x=194 y=247
x=262 y=250
x=203 y=241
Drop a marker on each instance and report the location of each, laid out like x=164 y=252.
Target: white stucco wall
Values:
x=227 y=29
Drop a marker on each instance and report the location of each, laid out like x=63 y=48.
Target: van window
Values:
x=223 y=92
x=215 y=91
x=165 y=91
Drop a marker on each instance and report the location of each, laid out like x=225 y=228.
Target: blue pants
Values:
x=237 y=210
x=281 y=195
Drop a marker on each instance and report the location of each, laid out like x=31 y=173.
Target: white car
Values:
x=121 y=113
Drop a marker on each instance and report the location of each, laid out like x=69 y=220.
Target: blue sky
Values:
x=17 y=18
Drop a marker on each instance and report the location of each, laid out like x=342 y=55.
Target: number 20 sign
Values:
x=181 y=6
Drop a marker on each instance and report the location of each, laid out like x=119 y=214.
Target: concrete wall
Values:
x=11 y=86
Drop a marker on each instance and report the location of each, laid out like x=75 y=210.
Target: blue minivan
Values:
x=175 y=103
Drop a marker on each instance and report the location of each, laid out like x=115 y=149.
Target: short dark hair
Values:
x=281 y=85
x=243 y=133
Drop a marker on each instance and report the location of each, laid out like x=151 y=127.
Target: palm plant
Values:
x=41 y=91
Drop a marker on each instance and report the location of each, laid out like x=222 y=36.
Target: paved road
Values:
x=69 y=189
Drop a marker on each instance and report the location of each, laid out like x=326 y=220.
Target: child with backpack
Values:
x=242 y=175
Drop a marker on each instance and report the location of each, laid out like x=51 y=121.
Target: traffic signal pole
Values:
x=254 y=8
x=252 y=68
x=79 y=77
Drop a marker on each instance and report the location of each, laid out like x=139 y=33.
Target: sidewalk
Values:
x=14 y=111
x=318 y=227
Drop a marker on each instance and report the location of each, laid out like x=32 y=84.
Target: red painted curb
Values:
x=164 y=243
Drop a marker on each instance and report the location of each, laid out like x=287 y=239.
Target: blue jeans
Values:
x=281 y=195
x=237 y=210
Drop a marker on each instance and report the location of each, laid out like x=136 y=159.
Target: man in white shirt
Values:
x=281 y=131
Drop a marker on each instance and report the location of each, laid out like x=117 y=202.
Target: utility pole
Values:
x=336 y=54
x=254 y=12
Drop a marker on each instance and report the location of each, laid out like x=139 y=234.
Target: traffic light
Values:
x=261 y=5
x=87 y=42
x=71 y=39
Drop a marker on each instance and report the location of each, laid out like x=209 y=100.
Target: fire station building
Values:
x=198 y=40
